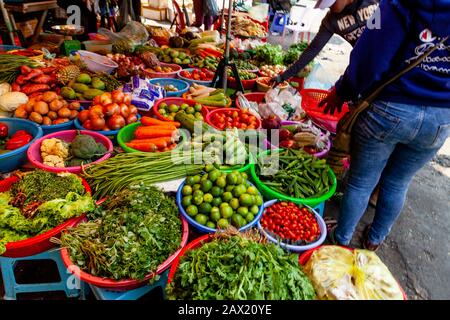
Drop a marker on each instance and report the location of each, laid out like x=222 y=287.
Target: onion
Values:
x=97 y=123
x=116 y=122
x=124 y=110
x=83 y=116
x=111 y=109
x=117 y=96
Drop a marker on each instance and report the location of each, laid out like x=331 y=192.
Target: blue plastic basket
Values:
x=181 y=85
x=293 y=248
x=112 y=134
x=14 y=159
x=203 y=229
x=8 y=47
x=58 y=127
x=205 y=83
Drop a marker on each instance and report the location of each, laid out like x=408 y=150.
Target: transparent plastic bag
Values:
x=134 y=32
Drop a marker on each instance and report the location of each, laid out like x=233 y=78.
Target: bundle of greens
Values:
x=294 y=52
x=38 y=202
x=270 y=54
x=134 y=232
x=239 y=267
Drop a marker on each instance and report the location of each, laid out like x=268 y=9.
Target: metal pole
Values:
x=227 y=46
x=8 y=23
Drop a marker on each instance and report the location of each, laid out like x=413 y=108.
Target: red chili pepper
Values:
x=3 y=130
x=17 y=141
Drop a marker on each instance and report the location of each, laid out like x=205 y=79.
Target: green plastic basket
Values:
x=270 y=194
x=126 y=134
x=241 y=169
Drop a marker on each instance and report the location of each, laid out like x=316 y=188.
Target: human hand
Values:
x=332 y=102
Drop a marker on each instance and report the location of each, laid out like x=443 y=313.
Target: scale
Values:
x=69 y=31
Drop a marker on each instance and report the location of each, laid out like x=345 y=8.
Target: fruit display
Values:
x=61 y=154
x=109 y=112
x=223 y=119
x=10 y=143
x=169 y=55
x=155 y=135
x=48 y=108
x=202 y=74
x=34 y=81
x=68 y=73
x=243 y=75
x=169 y=111
x=85 y=87
x=210 y=63
x=218 y=200
x=271 y=71
x=208 y=96
x=161 y=69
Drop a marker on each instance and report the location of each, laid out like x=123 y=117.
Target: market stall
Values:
x=140 y=118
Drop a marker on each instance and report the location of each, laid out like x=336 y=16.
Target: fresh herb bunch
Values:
x=237 y=267
x=270 y=54
x=136 y=230
x=294 y=52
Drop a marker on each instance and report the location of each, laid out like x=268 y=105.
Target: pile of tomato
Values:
x=234 y=118
x=289 y=222
x=202 y=74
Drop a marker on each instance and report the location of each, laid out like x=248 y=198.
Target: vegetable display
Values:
x=208 y=96
x=293 y=225
x=48 y=108
x=246 y=27
x=233 y=118
x=169 y=55
x=19 y=139
x=202 y=74
x=169 y=111
x=134 y=232
x=82 y=150
x=271 y=70
x=38 y=202
x=245 y=65
x=341 y=274
x=243 y=74
x=109 y=111
x=218 y=200
x=237 y=266
x=294 y=52
x=155 y=136
x=10 y=66
x=208 y=62
x=270 y=54
x=84 y=88
x=294 y=173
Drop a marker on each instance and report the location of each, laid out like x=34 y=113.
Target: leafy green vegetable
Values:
x=294 y=52
x=236 y=267
x=136 y=230
x=270 y=54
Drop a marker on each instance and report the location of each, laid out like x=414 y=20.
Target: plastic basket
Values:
x=34 y=153
x=58 y=127
x=124 y=285
x=203 y=229
x=269 y=193
x=39 y=243
x=181 y=85
x=247 y=84
x=220 y=110
x=205 y=83
x=310 y=103
x=176 y=68
x=318 y=242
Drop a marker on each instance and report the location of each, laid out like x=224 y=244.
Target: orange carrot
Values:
x=148 y=132
x=145 y=147
x=172 y=146
x=158 y=142
x=148 y=121
x=163 y=127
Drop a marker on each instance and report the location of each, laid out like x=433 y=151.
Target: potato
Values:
x=64 y=113
x=46 y=121
x=41 y=107
x=52 y=115
x=49 y=96
x=21 y=112
x=56 y=105
x=59 y=121
x=73 y=114
x=36 y=117
x=75 y=106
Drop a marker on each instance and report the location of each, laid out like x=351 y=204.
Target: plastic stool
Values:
x=105 y=294
x=280 y=20
x=12 y=288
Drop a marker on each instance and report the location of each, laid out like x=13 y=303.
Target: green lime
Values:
x=249 y=217
x=244 y=176
x=209 y=167
x=170 y=118
x=238 y=190
x=174 y=108
x=229 y=188
x=190 y=110
x=196 y=187
x=258 y=200
x=187 y=190
x=184 y=106
x=216 y=191
x=211 y=225
x=206 y=185
x=252 y=190
x=234 y=203
x=186 y=201
x=198 y=107
x=198 y=193
x=197 y=178
x=163 y=105
x=231 y=179
x=208 y=198
x=235 y=220
x=245 y=200
x=241 y=221
x=239 y=179
x=254 y=209
x=216 y=202
x=221 y=182
x=226 y=212
x=201 y=218
x=223 y=223
x=243 y=211
x=191 y=210
x=198 y=200
x=163 y=112
x=215 y=214
x=213 y=175
x=227 y=196
x=198 y=116
x=204 y=177
x=204 y=208
x=190 y=181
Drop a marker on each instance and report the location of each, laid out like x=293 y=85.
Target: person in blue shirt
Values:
x=409 y=121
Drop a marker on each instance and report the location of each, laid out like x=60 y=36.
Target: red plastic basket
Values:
x=40 y=243
x=178 y=102
x=253 y=96
x=221 y=110
x=247 y=84
x=304 y=258
x=124 y=285
x=310 y=103
x=172 y=74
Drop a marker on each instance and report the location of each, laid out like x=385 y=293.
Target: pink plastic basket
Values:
x=172 y=74
x=34 y=152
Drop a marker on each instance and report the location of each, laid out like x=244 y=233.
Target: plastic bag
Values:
x=143 y=94
x=210 y=8
x=284 y=103
x=134 y=33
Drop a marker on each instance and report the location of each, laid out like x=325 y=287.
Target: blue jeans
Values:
x=391 y=142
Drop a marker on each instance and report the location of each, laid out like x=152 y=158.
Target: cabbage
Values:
x=10 y=101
